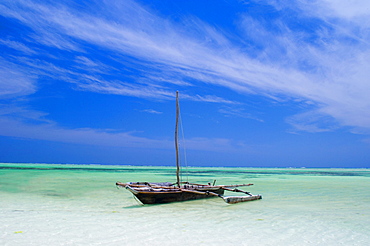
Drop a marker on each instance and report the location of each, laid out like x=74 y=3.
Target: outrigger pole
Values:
x=228 y=199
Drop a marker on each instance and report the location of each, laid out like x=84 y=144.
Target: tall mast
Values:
x=176 y=139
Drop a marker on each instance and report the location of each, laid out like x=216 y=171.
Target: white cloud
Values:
x=51 y=132
x=312 y=121
x=17 y=46
x=152 y=111
x=95 y=84
x=215 y=144
x=348 y=9
x=237 y=112
x=208 y=98
x=14 y=82
x=18 y=113
x=332 y=71
x=86 y=61
x=328 y=66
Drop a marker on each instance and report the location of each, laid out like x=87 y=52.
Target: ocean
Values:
x=55 y=204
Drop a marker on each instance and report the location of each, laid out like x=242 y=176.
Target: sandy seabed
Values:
x=72 y=205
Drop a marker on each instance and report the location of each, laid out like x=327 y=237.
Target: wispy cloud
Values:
x=17 y=46
x=152 y=111
x=14 y=81
x=327 y=65
x=51 y=132
x=349 y=10
x=312 y=121
x=208 y=98
x=330 y=62
x=237 y=112
x=215 y=144
x=22 y=114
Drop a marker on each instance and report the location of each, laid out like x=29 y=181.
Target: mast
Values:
x=176 y=139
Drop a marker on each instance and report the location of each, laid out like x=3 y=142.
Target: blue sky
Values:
x=262 y=83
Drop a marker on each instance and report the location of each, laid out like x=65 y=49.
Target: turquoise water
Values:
x=79 y=205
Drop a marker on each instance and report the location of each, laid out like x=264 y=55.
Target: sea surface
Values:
x=52 y=204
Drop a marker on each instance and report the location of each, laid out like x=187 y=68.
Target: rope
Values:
x=183 y=143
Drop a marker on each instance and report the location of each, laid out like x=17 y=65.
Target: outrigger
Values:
x=156 y=193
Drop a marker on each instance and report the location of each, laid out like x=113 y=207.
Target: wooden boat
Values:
x=156 y=193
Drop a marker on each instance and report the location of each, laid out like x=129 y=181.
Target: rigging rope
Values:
x=183 y=143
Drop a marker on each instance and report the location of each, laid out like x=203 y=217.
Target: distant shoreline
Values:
x=172 y=166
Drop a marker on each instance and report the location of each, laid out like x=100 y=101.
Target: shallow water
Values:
x=80 y=205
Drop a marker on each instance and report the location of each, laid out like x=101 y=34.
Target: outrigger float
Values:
x=156 y=193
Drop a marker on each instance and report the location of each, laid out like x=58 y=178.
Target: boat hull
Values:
x=167 y=197
x=158 y=193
